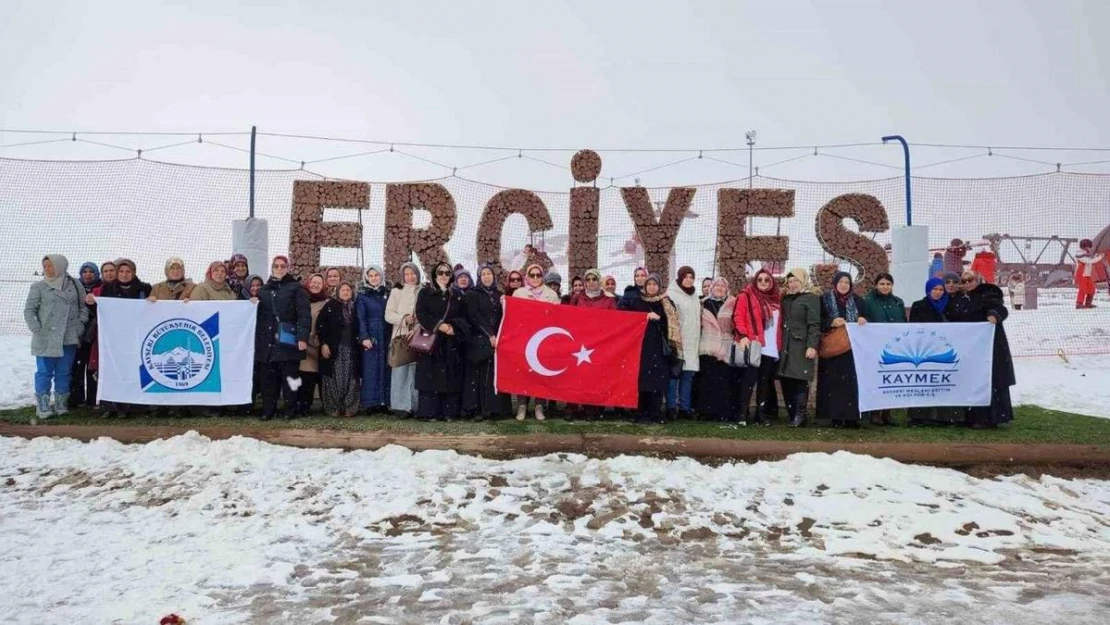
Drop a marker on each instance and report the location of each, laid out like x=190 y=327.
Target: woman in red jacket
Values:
x=756 y=319
x=592 y=296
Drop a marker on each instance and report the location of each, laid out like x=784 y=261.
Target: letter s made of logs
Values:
x=867 y=255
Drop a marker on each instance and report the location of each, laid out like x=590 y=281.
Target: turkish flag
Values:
x=567 y=353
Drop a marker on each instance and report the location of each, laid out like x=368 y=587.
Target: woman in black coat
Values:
x=934 y=309
x=127 y=285
x=837 y=387
x=280 y=337
x=439 y=375
x=980 y=302
x=337 y=328
x=483 y=315
x=662 y=340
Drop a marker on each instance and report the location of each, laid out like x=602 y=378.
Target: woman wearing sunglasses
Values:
x=535 y=290
x=281 y=338
x=981 y=301
x=439 y=375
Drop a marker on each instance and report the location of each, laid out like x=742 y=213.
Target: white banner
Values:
x=175 y=353
x=914 y=365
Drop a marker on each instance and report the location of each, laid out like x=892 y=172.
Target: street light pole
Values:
x=750 y=136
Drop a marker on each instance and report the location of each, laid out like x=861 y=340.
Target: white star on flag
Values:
x=583 y=355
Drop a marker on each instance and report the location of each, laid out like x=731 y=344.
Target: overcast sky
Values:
x=566 y=74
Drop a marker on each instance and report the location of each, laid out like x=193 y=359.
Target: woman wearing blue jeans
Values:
x=56 y=315
x=684 y=295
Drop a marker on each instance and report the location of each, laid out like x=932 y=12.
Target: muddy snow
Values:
x=240 y=531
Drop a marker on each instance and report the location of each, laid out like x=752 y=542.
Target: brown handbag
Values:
x=399 y=353
x=834 y=343
x=424 y=341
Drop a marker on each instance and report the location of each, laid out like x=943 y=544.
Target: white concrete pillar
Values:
x=251 y=238
x=910 y=262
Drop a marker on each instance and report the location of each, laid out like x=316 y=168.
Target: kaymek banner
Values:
x=175 y=353
x=913 y=365
x=571 y=354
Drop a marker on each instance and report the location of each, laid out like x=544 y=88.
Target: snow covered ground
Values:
x=1080 y=385
x=240 y=531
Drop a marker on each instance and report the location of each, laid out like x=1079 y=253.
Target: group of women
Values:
x=711 y=355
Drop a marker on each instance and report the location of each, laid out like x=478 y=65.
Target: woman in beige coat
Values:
x=215 y=287
x=316 y=287
x=400 y=312
x=534 y=289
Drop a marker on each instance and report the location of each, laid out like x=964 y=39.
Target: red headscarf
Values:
x=770 y=300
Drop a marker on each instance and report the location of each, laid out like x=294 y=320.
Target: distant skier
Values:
x=936 y=269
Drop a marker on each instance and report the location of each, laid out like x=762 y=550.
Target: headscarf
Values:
x=450 y=280
x=415 y=270
x=61 y=266
x=553 y=277
x=509 y=279
x=101 y=272
x=841 y=298
x=455 y=282
x=536 y=291
x=366 y=288
x=715 y=282
x=127 y=290
x=835 y=300
x=594 y=293
x=245 y=291
x=233 y=280
x=769 y=301
x=492 y=291
x=937 y=304
x=674 y=331
x=952 y=276
x=682 y=273
x=803 y=276
x=605 y=279
x=315 y=297
x=96 y=277
x=347 y=307
x=174 y=260
x=212 y=284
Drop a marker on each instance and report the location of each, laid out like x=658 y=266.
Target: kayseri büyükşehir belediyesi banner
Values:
x=912 y=365
x=175 y=353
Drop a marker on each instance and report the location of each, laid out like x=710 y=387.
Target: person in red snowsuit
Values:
x=1088 y=264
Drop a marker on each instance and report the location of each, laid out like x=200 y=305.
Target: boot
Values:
x=1090 y=301
x=798 y=409
x=521 y=410
x=42 y=408
x=672 y=414
x=539 y=413
x=61 y=403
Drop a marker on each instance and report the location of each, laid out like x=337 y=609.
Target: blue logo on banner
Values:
x=918 y=363
x=182 y=356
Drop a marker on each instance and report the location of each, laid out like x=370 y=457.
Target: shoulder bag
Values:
x=749 y=356
x=834 y=343
x=424 y=341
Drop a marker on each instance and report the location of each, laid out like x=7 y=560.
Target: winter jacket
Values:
x=483 y=314
x=329 y=327
x=749 y=321
x=56 y=317
x=211 y=292
x=800 y=329
x=601 y=302
x=311 y=361
x=371 y=305
x=884 y=308
x=689 y=321
x=372 y=325
x=281 y=301
x=655 y=368
x=548 y=295
x=401 y=302
x=716 y=329
x=631 y=294
x=983 y=301
x=442 y=370
x=166 y=291
x=1017 y=292
x=923 y=312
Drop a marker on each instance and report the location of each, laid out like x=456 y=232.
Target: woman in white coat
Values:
x=400 y=312
x=680 y=391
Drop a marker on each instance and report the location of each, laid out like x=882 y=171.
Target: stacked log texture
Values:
x=402 y=240
x=585 y=166
x=498 y=209
x=856 y=248
x=657 y=237
x=307 y=230
x=734 y=248
x=582 y=250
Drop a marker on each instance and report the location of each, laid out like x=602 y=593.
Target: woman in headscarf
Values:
x=883 y=306
x=127 y=285
x=56 y=314
x=251 y=287
x=717 y=397
x=632 y=291
x=92 y=330
x=309 y=367
x=683 y=294
x=400 y=314
x=981 y=302
x=609 y=286
x=706 y=284
x=757 y=314
x=592 y=295
x=800 y=330
x=281 y=338
x=215 y=287
x=176 y=286
x=837 y=387
x=513 y=281
x=82 y=386
x=662 y=342
x=483 y=313
x=439 y=374
x=238 y=272
x=332 y=278
x=535 y=290
x=463 y=282
x=373 y=334
x=933 y=308
x=577 y=285
x=337 y=330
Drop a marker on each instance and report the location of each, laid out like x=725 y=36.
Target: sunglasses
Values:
x=763 y=280
x=591 y=279
x=968 y=281
x=443 y=273
x=514 y=279
x=535 y=275
x=276 y=266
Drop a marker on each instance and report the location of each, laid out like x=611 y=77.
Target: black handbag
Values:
x=674 y=359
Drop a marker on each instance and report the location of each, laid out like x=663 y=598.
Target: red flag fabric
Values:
x=567 y=353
